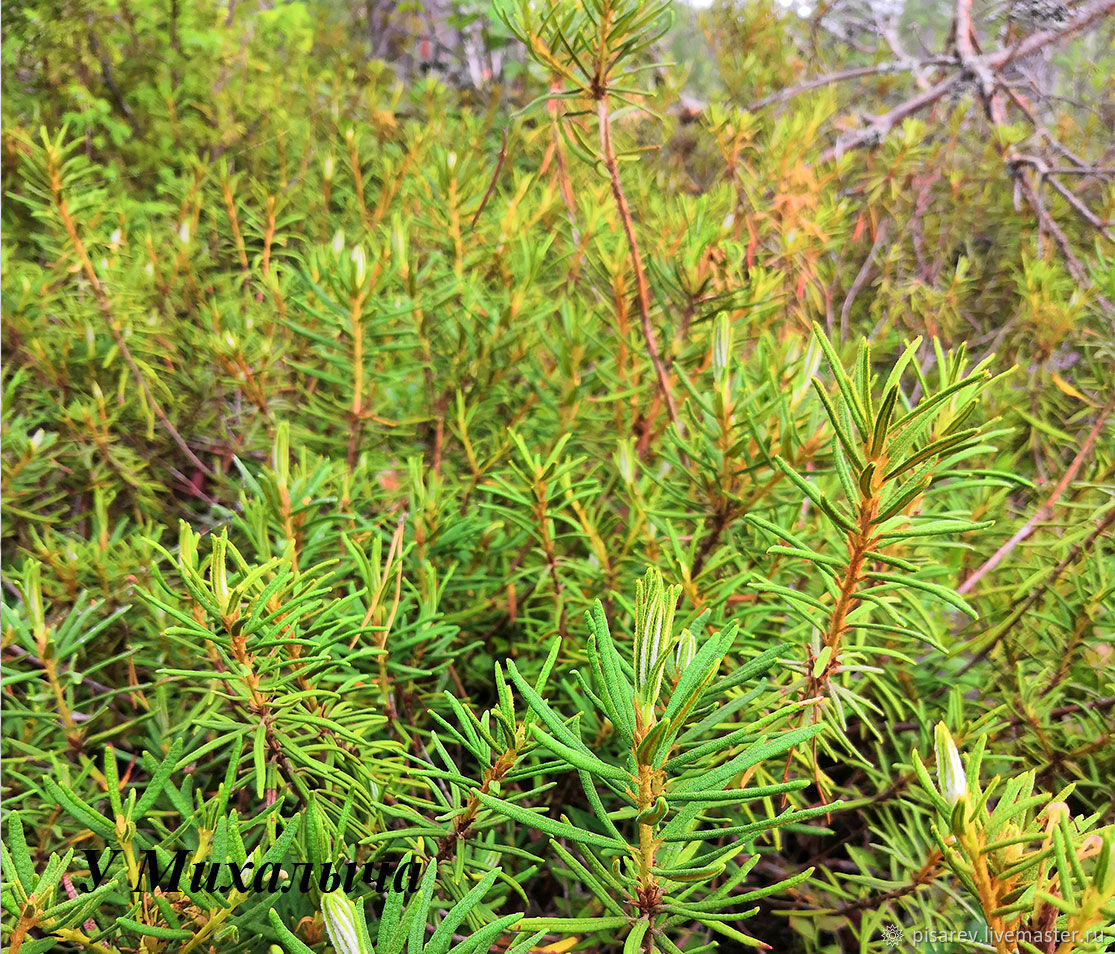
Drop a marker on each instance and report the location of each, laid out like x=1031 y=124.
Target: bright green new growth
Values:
x=655 y=605
x=1020 y=854
x=646 y=856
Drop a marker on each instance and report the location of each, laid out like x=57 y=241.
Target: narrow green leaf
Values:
x=546 y=825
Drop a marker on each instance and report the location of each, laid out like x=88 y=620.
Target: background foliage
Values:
x=337 y=393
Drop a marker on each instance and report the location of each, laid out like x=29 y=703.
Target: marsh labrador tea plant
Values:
x=543 y=477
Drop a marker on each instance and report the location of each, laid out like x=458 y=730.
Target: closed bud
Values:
x=950 y=771
x=342 y=923
x=338 y=242
x=625 y=460
x=360 y=261
x=218 y=577
x=686 y=651
x=721 y=347
x=327 y=168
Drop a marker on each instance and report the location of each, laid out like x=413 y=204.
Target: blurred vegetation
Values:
x=342 y=379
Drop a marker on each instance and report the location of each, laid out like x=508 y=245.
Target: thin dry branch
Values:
x=608 y=153
x=1046 y=509
x=986 y=69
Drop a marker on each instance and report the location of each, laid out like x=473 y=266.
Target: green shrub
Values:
x=595 y=508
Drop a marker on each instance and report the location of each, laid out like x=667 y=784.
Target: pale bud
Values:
x=625 y=461
x=360 y=260
x=721 y=347
x=399 y=243
x=327 y=168
x=338 y=242
x=184 y=233
x=950 y=771
x=218 y=576
x=342 y=924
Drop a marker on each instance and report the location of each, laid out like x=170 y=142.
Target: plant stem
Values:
x=607 y=150
x=105 y=308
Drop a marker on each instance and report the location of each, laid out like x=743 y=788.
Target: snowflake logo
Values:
x=893 y=935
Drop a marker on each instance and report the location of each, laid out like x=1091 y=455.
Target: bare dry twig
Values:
x=1046 y=509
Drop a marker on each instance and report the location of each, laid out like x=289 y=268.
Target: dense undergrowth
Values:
x=595 y=505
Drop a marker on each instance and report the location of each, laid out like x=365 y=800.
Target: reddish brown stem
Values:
x=608 y=153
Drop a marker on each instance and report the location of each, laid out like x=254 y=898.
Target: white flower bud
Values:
x=451 y=160
x=950 y=771
x=342 y=924
x=338 y=242
x=360 y=260
x=327 y=168
x=115 y=238
x=184 y=233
